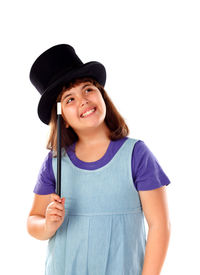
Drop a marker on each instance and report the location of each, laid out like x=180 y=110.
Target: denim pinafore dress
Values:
x=103 y=232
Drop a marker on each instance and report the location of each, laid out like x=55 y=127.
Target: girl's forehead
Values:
x=82 y=84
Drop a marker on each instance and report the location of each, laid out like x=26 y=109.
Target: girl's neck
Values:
x=92 y=139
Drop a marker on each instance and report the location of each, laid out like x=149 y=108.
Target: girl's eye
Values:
x=69 y=99
x=72 y=97
x=88 y=89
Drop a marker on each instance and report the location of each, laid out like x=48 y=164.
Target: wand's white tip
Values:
x=58 y=108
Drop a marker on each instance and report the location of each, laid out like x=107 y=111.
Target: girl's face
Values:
x=78 y=100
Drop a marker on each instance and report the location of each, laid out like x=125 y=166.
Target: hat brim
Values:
x=91 y=69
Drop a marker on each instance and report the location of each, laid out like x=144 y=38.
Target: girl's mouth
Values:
x=89 y=113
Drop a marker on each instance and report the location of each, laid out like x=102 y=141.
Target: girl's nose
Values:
x=84 y=101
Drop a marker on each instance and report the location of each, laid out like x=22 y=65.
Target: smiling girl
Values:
x=109 y=180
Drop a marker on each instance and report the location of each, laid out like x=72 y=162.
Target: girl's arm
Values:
x=36 y=228
x=154 y=204
x=36 y=218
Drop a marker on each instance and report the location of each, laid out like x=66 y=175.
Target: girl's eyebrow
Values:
x=81 y=89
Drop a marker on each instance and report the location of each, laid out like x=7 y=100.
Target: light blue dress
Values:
x=103 y=232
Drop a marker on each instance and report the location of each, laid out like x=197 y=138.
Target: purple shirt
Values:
x=147 y=174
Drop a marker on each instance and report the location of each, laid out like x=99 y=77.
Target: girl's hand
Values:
x=55 y=214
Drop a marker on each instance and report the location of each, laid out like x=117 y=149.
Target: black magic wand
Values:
x=58 y=181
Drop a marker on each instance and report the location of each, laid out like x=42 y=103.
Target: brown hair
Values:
x=113 y=120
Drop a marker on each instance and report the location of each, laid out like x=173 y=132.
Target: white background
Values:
x=151 y=53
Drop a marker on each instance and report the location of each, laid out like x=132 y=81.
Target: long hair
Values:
x=114 y=121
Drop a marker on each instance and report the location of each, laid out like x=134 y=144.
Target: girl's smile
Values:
x=88 y=112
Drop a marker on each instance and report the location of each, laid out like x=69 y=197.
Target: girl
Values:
x=109 y=181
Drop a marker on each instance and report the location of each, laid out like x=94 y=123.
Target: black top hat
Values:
x=56 y=67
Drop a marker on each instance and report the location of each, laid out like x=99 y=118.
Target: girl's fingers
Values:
x=55 y=197
x=56 y=205
x=56 y=212
x=55 y=218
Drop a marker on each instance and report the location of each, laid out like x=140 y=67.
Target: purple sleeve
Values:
x=46 y=180
x=146 y=171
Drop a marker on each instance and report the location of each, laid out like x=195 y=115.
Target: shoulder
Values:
x=147 y=172
x=140 y=147
x=138 y=144
x=46 y=179
x=48 y=160
x=143 y=158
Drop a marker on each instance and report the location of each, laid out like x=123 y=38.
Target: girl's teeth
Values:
x=87 y=113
